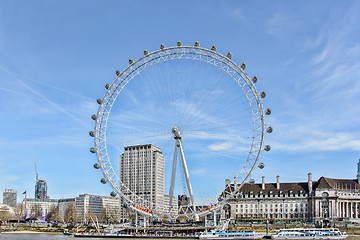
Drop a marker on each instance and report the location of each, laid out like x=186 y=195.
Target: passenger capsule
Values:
x=92 y=150
x=229 y=55
x=243 y=66
x=96 y=166
x=254 y=79
x=261 y=165
x=162 y=46
x=107 y=86
x=269 y=130
x=263 y=94
x=131 y=61
x=226 y=207
x=267 y=148
x=213 y=48
x=179 y=44
x=146 y=52
x=92 y=134
x=117 y=72
x=268 y=111
x=99 y=101
x=103 y=181
x=93 y=117
x=252 y=181
x=113 y=194
x=197 y=44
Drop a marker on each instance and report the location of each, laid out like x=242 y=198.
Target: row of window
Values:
x=270 y=210
x=271 y=205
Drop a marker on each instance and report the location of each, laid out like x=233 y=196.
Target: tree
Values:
x=103 y=216
x=36 y=211
x=53 y=214
x=90 y=215
x=70 y=215
x=113 y=215
x=4 y=215
x=19 y=212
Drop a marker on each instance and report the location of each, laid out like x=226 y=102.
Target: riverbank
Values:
x=29 y=232
x=353 y=229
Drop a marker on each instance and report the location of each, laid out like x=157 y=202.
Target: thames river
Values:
x=33 y=236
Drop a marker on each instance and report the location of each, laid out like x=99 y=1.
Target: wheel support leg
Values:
x=172 y=184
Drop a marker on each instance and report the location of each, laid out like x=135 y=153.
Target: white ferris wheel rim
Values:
x=195 y=53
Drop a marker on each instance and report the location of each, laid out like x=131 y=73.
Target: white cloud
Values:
x=237 y=14
x=324 y=114
x=199 y=171
x=284 y=26
x=312 y=140
x=221 y=146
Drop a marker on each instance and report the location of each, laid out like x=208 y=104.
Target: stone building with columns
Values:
x=313 y=201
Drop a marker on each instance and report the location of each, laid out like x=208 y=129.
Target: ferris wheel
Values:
x=201 y=111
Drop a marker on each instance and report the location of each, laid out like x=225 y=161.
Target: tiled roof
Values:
x=323 y=182
x=337 y=183
x=284 y=187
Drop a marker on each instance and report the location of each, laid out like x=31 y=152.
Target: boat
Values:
x=305 y=233
x=230 y=235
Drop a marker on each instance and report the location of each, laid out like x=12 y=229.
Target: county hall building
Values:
x=313 y=201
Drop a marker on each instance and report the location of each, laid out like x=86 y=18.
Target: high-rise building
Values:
x=142 y=171
x=41 y=189
x=9 y=197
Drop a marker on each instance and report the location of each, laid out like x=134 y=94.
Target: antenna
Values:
x=37 y=176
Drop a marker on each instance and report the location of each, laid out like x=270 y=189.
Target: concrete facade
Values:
x=142 y=171
x=87 y=204
x=10 y=197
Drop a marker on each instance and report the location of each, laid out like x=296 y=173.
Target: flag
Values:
x=24 y=192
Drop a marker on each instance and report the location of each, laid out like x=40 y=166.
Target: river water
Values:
x=33 y=236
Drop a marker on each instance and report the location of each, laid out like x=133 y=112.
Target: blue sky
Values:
x=55 y=58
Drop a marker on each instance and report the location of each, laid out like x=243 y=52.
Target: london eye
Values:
x=202 y=112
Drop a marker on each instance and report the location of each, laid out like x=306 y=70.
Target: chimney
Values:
x=227 y=182
x=277 y=182
x=263 y=183
x=310 y=182
x=235 y=182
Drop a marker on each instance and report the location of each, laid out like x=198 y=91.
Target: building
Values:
x=6 y=212
x=10 y=197
x=142 y=171
x=273 y=201
x=337 y=199
x=323 y=200
x=39 y=208
x=41 y=189
x=90 y=205
x=64 y=204
x=183 y=200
